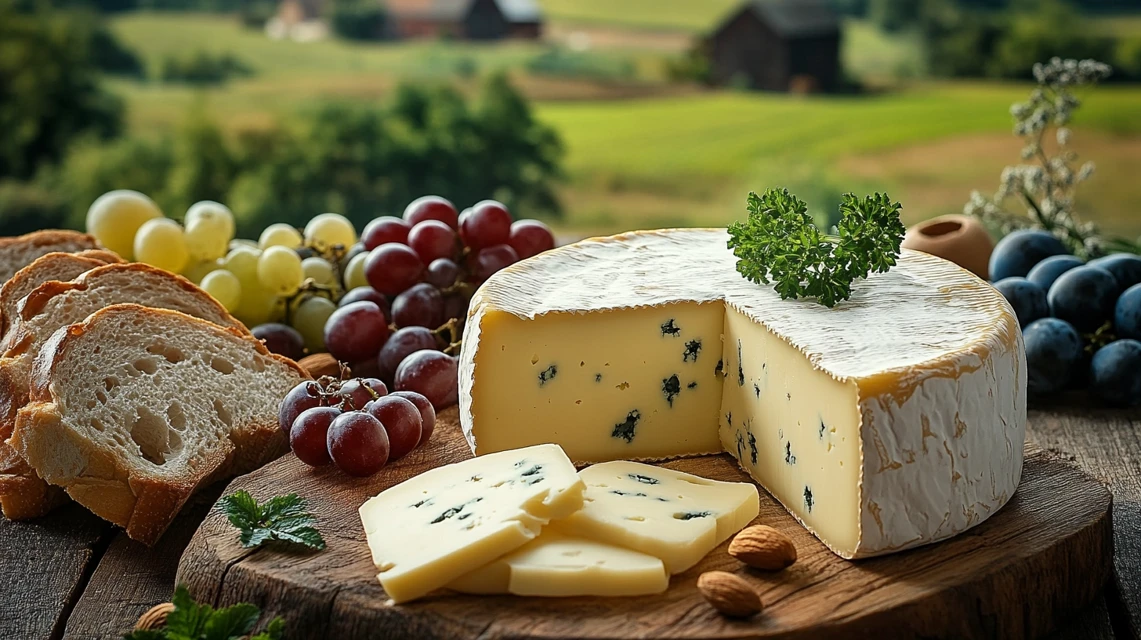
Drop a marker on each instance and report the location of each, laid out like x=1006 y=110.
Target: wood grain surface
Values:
x=1023 y=573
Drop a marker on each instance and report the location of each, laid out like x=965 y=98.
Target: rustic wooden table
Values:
x=71 y=575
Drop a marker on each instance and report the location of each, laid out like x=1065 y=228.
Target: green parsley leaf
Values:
x=283 y=518
x=193 y=621
x=779 y=244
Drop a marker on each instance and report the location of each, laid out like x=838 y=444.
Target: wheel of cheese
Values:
x=893 y=420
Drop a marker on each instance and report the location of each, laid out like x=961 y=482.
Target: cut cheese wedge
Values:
x=555 y=564
x=675 y=516
x=893 y=420
x=444 y=523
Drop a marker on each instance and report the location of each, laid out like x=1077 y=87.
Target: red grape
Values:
x=455 y=306
x=431 y=208
x=358 y=391
x=281 y=339
x=384 y=230
x=304 y=396
x=358 y=294
x=427 y=413
x=432 y=239
x=403 y=342
x=356 y=331
x=358 y=443
x=402 y=423
x=392 y=268
x=309 y=437
x=442 y=273
x=530 y=237
x=488 y=224
x=365 y=368
x=488 y=261
x=432 y=374
x=420 y=306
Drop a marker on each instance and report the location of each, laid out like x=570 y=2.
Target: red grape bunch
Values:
x=355 y=424
x=407 y=284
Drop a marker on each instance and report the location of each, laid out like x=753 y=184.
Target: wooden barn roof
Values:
x=793 y=17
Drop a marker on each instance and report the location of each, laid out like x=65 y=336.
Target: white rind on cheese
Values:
x=558 y=565
x=446 y=522
x=928 y=360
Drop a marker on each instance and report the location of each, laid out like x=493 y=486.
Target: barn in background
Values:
x=778 y=45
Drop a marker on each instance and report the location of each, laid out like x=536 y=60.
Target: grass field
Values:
x=681 y=15
x=664 y=155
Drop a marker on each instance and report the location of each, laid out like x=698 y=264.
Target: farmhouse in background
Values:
x=778 y=45
x=461 y=19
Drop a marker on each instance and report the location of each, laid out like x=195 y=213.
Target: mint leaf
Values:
x=779 y=244
x=232 y=622
x=188 y=620
x=282 y=518
x=274 y=631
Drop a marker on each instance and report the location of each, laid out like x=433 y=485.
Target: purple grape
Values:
x=420 y=306
x=443 y=273
x=432 y=374
x=356 y=331
x=304 y=396
x=403 y=343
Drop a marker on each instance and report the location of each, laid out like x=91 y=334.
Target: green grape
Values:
x=279 y=235
x=354 y=272
x=225 y=288
x=259 y=306
x=243 y=242
x=160 y=242
x=309 y=319
x=328 y=230
x=320 y=270
x=209 y=229
x=279 y=271
x=197 y=271
x=115 y=217
x=243 y=262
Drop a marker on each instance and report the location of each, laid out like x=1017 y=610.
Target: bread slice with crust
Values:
x=53 y=305
x=52 y=266
x=20 y=251
x=135 y=408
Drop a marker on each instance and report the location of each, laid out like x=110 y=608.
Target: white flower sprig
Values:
x=1045 y=185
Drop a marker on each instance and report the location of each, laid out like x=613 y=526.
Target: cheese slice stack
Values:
x=892 y=420
x=675 y=516
x=445 y=523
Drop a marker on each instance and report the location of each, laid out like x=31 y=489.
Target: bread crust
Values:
x=35 y=301
x=90 y=259
x=144 y=506
x=47 y=237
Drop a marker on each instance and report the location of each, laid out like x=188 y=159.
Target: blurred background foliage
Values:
x=606 y=123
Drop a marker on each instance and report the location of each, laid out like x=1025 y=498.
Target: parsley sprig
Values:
x=779 y=243
x=283 y=518
x=193 y=621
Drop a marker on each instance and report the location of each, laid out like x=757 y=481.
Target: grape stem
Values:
x=452 y=327
x=308 y=288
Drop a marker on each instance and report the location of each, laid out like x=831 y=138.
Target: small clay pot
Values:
x=958 y=238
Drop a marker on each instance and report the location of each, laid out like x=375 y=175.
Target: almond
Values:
x=321 y=364
x=729 y=594
x=155 y=617
x=763 y=547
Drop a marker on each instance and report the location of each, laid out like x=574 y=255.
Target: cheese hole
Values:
x=623 y=386
x=535 y=359
x=638 y=518
x=572 y=553
x=582 y=364
x=578 y=401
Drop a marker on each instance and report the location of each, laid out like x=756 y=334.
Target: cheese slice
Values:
x=555 y=564
x=444 y=523
x=675 y=516
x=895 y=419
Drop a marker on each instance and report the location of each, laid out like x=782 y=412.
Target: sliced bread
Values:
x=51 y=266
x=135 y=408
x=20 y=251
x=53 y=305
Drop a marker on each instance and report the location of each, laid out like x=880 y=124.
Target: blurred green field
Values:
x=643 y=153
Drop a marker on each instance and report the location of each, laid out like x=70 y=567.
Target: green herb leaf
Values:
x=193 y=621
x=779 y=244
x=283 y=518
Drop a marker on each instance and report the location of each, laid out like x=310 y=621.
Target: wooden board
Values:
x=1020 y=574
